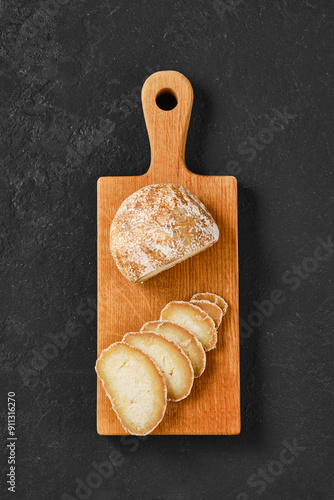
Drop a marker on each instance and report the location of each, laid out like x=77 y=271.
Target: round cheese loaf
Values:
x=157 y=227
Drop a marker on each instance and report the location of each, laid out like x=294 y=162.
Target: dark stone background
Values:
x=71 y=74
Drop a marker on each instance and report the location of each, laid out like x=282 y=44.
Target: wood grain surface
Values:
x=213 y=406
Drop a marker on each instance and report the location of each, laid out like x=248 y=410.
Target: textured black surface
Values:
x=71 y=74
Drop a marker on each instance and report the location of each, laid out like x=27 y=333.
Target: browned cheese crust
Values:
x=157 y=227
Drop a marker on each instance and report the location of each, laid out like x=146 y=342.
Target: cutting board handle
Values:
x=167 y=128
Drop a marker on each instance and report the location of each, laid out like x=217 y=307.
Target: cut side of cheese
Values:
x=212 y=297
x=211 y=309
x=171 y=360
x=188 y=342
x=135 y=387
x=172 y=264
x=194 y=319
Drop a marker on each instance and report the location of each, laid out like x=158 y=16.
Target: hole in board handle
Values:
x=166 y=100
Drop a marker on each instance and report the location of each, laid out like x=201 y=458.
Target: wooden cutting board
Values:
x=213 y=406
